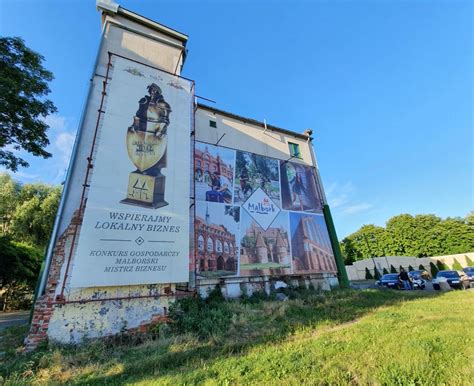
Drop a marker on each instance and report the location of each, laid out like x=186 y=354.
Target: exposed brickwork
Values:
x=44 y=306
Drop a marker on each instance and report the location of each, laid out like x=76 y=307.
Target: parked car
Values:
x=452 y=278
x=390 y=280
x=421 y=273
x=469 y=271
x=417 y=279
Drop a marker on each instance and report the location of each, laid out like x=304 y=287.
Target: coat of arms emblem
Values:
x=146 y=145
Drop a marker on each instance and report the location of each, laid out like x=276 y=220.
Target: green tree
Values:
x=407 y=235
x=469 y=262
x=367 y=242
x=470 y=219
x=441 y=266
x=377 y=274
x=19 y=268
x=349 y=251
x=457 y=265
x=33 y=217
x=23 y=86
x=434 y=270
x=368 y=274
x=9 y=196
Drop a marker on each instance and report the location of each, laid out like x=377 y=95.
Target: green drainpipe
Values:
x=341 y=268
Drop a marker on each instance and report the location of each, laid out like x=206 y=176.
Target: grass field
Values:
x=359 y=337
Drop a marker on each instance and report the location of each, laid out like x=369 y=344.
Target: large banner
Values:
x=136 y=222
x=257 y=215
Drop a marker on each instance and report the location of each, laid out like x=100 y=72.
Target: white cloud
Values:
x=64 y=143
x=56 y=122
x=341 y=199
x=357 y=208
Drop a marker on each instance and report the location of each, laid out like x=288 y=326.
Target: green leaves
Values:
x=23 y=86
x=28 y=211
x=407 y=235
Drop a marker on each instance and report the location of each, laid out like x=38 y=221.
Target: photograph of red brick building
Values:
x=264 y=252
x=216 y=229
x=213 y=173
x=310 y=244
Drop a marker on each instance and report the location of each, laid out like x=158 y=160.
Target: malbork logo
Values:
x=261 y=208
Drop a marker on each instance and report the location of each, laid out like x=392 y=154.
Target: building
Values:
x=270 y=246
x=114 y=261
x=311 y=248
x=216 y=248
x=206 y=163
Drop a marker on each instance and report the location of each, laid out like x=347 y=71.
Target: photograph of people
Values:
x=254 y=171
x=213 y=173
x=298 y=188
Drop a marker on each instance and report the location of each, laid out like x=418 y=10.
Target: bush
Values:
x=410 y=268
x=457 y=265
x=385 y=271
x=469 y=262
x=393 y=269
x=441 y=266
x=421 y=267
x=19 y=269
x=368 y=275
x=204 y=317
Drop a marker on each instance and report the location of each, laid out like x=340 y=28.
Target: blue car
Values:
x=390 y=280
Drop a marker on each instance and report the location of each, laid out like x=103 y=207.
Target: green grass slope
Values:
x=358 y=337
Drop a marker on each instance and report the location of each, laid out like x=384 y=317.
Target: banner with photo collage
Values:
x=257 y=216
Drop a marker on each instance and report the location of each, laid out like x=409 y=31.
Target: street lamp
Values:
x=372 y=239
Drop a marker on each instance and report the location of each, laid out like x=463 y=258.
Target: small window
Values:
x=294 y=150
x=213 y=123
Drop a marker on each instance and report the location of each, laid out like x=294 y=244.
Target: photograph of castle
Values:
x=213 y=173
x=310 y=244
x=264 y=252
x=254 y=171
x=298 y=188
x=216 y=230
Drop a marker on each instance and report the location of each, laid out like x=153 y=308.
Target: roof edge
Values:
x=254 y=122
x=110 y=7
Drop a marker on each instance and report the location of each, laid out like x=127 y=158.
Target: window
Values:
x=218 y=246
x=294 y=149
x=201 y=243
x=210 y=247
x=212 y=123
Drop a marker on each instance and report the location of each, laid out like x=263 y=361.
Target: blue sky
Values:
x=385 y=85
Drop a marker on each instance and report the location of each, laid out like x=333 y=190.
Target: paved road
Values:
x=17 y=318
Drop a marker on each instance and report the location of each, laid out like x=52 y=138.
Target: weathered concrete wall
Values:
x=249 y=137
x=357 y=270
x=233 y=288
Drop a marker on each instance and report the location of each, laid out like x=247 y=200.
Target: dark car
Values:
x=469 y=271
x=390 y=280
x=452 y=278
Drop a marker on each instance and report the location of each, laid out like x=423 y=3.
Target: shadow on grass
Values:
x=251 y=325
